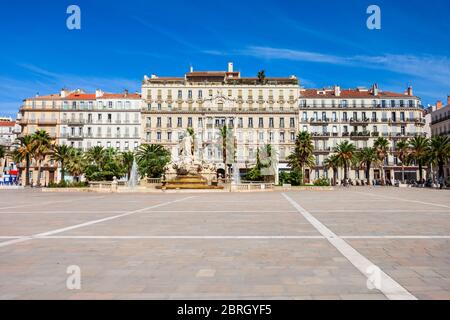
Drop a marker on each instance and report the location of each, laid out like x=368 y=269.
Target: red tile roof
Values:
x=80 y=96
x=349 y=93
x=7 y=124
x=120 y=96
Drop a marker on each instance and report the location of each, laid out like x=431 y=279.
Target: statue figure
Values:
x=186 y=149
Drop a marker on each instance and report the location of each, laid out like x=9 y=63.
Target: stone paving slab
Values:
x=228 y=268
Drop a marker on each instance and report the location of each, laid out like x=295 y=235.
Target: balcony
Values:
x=360 y=135
x=375 y=134
x=319 y=121
x=321 y=135
x=74 y=122
x=325 y=150
x=50 y=122
x=356 y=121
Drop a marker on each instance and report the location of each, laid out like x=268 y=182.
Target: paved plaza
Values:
x=356 y=243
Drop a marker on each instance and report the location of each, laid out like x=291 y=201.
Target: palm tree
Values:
x=262 y=77
x=224 y=135
x=76 y=164
x=151 y=159
x=332 y=162
x=42 y=144
x=381 y=146
x=303 y=154
x=440 y=153
x=419 y=147
x=127 y=161
x=61 y=154
x=345 y=152
x=366 y=157
x=24 y=152
x=402 y=149
x=95 y=155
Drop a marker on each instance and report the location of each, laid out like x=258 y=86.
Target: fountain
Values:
x=133 y=179
x=236 y=175
x=188 y=172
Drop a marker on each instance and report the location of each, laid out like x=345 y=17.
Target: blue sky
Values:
x=322 y=42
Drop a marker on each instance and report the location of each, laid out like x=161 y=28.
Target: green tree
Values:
x=381 y=146
x=61 y=154
x=261 y=77
x=419 y=151
x=333 y=162
x=303 y=153
x=42 y=146
x=24 y=152
x=345 y=152
x=365 y=158
x=76 y=164
x=440 y=153
x=151 y=159
x=95 y=155
x=127 y=161
x=402 y=149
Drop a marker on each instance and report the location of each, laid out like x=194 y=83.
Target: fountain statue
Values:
x=188 y=172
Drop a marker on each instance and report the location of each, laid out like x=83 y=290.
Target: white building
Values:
x=259 y=111
x=361 y=116
x=100 y=119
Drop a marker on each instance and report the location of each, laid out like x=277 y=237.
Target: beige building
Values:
x=440 y=125
x=259 y=111
x=82 y=120
x=361 y=116
x=41 y=113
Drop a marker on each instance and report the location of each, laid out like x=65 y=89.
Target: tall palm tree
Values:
x=303 y=154
x=223 y=136
x=345 y=152
x=440 y=153
x=381 y=146
x=402 y=149
x=151 y=159
x=24 y=152
x=61 y=154
x=42 y=144
x=365 y=158
x=333 y=162
x=419 y=147
x=76 y=164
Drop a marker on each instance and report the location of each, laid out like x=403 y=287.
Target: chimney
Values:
x=375 y=90
x=126 y=92
x=191 y=69
x=230 y=66
x=153 y=76
x=448 y=100
x=438 y=105
x=98 y=93
x=337 y=91
x=410 y=91
x=64 y=92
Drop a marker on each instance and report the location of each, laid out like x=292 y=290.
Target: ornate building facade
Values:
x=360 y=116
x=259 y=111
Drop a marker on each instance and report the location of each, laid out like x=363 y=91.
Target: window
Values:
x=270 y=122
x=189 y=94
x=281 y=122
x=250 y=122
x=292 y=122
x=190 y=122
x=179 y=122
x=200 y=94
x=261 y=122
x=180 y=94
